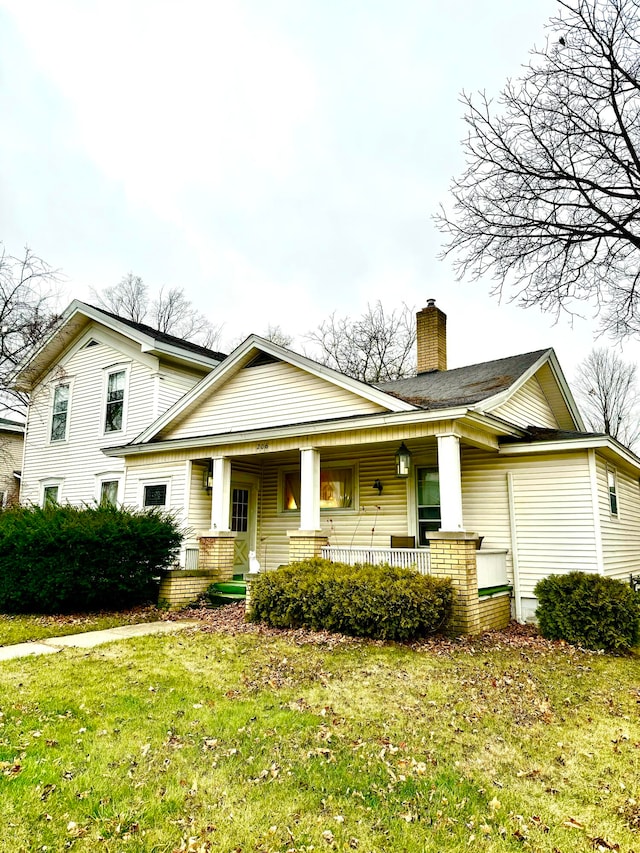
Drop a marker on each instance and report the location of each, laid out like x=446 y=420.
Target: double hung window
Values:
x=60 y=413
x=114 y=413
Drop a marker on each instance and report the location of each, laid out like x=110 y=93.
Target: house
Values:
x=275 y=454
x=11 y=448
x=98 y=380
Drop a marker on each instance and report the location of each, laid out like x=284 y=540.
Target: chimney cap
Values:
x=431 y=303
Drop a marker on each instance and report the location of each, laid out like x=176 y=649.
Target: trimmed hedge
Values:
x=65 y=558
x=589 y=611
x=381 y=602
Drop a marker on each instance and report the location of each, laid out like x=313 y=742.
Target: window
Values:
x=109 y=492
x=428 y=485
x=155 y=495
x=50 y=495
x=114 y=414
x=60 y=412
x=336 y=489
x=613 y=495
x=240 y=510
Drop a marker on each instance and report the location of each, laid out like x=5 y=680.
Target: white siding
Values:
x=173 y=384
x=554 y=522
x=78 y=462
x=264 y=396
x=11 y=446
x=621 y=534
x=528 y=407
x=365 y=526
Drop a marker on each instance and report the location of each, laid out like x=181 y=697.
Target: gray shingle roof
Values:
x=463 y=386
x=162 y=337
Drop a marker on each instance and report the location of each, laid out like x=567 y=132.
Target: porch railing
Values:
x=406 y=558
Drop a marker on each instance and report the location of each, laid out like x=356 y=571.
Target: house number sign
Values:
x=262 y=446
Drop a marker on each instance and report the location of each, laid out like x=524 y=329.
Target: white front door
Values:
x=243 y=522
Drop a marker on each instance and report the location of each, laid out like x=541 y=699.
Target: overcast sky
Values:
x=279 y=159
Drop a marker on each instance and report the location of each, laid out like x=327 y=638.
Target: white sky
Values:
x=279 y=159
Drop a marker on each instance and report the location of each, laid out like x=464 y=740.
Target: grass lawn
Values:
x=22 y=629
x=258 y=743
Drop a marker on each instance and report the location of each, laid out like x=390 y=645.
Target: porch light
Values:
x=377 y=484
x=403 y=461
x=207 y=480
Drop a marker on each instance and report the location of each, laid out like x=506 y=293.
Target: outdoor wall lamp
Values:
x=207 y=480
x=403 y=461
x=377 y=485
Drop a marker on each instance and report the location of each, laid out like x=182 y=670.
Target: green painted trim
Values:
x=495 y=590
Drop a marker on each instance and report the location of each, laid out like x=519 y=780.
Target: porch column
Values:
x=450 y=482
x=217 y=546
x=221 y=494
x=309 y=488
x=307 y=541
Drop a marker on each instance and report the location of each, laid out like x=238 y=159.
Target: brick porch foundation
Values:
x=453 y=555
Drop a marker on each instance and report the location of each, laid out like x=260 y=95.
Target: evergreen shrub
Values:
x=65 y=558
x=589 y=611
x=381 y=602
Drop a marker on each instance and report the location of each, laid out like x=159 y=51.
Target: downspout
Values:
x=514 y=548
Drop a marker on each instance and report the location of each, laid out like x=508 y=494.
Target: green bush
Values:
x=589 y=611
x=380 y=602
x=64 y=558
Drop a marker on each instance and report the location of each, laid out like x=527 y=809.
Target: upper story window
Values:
x=60 y=413
x=114 y=412
x=613 y=492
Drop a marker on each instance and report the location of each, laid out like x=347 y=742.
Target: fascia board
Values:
x=160 y=348
x=593 y=442
x=390 y=419
x=17 y=428
x=241 y=355
x=548 y=356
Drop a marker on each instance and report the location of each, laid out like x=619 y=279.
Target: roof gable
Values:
x=79 y=315
x=263 y=384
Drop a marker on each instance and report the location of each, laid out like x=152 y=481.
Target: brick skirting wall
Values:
x=495 y=611
x=179 y=587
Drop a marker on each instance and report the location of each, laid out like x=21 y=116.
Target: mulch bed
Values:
x=230 y=619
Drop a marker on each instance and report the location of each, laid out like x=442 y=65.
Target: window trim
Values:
x=111 y=371
x=60 y=384
x=324 y=466
x=613 y=497
x=108 y=477
x=148 y=482
x=416 y=486
x=51 y=483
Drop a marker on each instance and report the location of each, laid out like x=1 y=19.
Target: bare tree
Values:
x=607 y=390
x=277 y=336
x=129 y=298
x=374 y=347
x=28 y=313
x=549 y=203
x=168 y=311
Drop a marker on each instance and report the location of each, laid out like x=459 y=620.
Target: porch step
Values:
x=235 y=590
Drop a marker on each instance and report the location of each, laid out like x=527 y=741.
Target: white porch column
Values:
x=450 y=482
x=309 y=488
x=221 y=494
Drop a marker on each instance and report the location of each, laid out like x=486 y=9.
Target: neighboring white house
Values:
x=11 y=448
x=98 y=380
x=271 y=449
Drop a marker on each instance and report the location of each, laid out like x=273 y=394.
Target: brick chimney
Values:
x=431 y=338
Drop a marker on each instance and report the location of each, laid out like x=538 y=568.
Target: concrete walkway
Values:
x=89 y=639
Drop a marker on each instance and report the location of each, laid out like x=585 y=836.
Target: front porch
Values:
x=350 y=504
